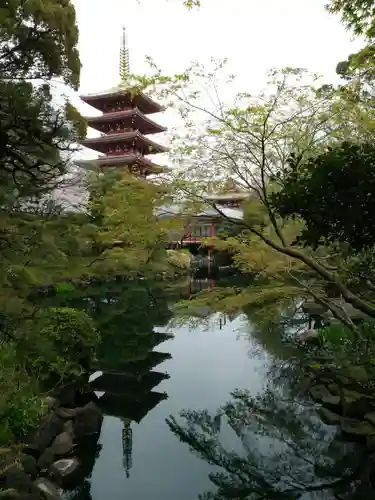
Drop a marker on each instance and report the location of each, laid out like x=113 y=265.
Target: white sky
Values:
x=254 y=34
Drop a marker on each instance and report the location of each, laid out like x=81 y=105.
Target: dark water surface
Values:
x=207 y=363
x=267 y=441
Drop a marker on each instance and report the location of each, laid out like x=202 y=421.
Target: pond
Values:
x=202 y=406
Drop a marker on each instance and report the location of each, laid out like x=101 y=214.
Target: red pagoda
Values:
x=124 y=125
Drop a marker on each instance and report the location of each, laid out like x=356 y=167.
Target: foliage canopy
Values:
x=334 y=194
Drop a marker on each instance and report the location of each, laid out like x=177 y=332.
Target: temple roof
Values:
x=228 y=196
x=144 y=124
x=121 y=161
x=147 y=146
x=230 y=191
x=135 y=97
x=177 y=210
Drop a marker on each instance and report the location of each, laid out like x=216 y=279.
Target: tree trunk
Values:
x=349 y=296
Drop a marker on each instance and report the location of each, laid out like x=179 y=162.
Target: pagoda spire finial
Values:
x=127 y=446
x=124 y=58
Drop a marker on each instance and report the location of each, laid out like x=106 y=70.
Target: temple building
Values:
x=124 y=126
x=209 y=222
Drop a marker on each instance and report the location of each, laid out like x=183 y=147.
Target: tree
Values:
x=358 y=15
x=334 y=194
x=253 y=142
x=38 y=40
x=126 y=233
x=37 y=141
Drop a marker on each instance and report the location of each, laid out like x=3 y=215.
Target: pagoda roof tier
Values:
x=127 y=383
x=142 y=143
x=142 y=366
x=132 y=118
x=129 y=406
x=130 y=97
x=137 y=364
x=129 y=160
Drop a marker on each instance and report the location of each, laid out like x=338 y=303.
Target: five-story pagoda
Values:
x=123 y=126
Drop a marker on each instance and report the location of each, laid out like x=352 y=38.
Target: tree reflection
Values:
x=283 y=450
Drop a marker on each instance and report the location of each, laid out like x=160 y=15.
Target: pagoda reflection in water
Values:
x=128 y=391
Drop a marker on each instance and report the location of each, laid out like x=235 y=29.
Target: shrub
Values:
x=65 y=342
x=335 y=334
x=64 y=287
x=21 y=405
x=179 y=259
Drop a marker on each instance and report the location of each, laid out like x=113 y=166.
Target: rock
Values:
x=88 y=421
x=345 y=381
x=370 y=443
x=355 y=404
x=64 y=469
x=66 y=413
x=43 y=437
x=63 y=444
x=313 y=308
x=17 y=479
x=308 y=337
x=9 y=494
x=46 y=458
x=318 y=392
x=358 y=373
x=5 y=451
x=334 y=389
x=331 y=401
x=67 y=396
x=68 y=427
x=16 y=495
x=321 y=394
x=29 y=465
x=356 y=428
x=49 y=490
x=51 y=402
x=329 y=417
x=351 y=311
x=370 y=417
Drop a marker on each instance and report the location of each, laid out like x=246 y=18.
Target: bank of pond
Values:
x=210 y=404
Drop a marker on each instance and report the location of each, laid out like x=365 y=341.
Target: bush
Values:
x=65 y=342
x=180 y=259
x=21 y=405
x=335 y=335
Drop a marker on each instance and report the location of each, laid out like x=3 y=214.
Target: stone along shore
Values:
x=53 y=456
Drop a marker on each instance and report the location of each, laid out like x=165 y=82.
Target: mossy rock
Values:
x=329 y=417
x=321 y=394
x=370 y=417
x=358 y=373
x=370 y=443
x=356 y=404
x=334 y=389
x=318 y=392
x=356 y=429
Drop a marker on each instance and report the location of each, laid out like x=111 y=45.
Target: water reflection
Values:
x=266 y=442
x=283 y=450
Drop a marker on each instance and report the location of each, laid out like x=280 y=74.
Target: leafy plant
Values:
x=336 y=334
x=21 y=406
x=65 y=342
